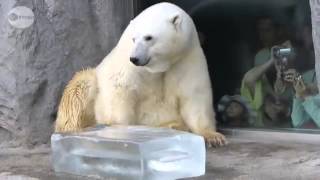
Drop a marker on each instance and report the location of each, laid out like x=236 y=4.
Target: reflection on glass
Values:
x=279 y=90
x=261 y=61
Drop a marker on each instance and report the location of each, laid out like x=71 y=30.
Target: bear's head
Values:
x=161 y=35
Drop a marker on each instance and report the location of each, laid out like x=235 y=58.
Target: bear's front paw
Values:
x=215 y=139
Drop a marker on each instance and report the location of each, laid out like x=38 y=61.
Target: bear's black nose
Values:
x=134 y=60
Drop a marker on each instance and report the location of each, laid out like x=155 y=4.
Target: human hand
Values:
x=290 y=75
x=300 y=87
x=279 y=63
x=295 y=78
x=272 y=52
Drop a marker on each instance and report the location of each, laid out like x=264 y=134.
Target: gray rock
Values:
x=38 y=61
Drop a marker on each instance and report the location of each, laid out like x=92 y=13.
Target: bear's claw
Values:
x=215 y=139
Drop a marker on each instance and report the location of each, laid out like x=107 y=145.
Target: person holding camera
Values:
x=306 y=103
x=271 y=104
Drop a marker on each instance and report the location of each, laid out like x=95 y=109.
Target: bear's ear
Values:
x=176 y=21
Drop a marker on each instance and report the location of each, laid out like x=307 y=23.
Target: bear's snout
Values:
x=138 y=62
x=135 y=60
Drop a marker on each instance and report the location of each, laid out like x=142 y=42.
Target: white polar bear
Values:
x=157 y=75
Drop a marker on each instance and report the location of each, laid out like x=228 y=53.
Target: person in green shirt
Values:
x=272 y=104
x=306 y=103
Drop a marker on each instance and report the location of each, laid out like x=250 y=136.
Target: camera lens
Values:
x=284 y=51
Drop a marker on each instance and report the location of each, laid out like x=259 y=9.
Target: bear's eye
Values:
x=133 y=39
x=148 y=38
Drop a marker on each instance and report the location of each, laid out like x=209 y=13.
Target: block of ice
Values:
x=129 y=152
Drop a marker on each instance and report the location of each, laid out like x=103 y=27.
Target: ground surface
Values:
x=241 y=159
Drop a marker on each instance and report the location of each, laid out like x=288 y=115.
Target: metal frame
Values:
x=274 y=135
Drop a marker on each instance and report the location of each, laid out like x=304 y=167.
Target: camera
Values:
x=281 y=53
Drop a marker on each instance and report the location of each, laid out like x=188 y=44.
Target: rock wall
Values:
x=36 y=62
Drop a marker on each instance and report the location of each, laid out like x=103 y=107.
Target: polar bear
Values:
x=156 y=75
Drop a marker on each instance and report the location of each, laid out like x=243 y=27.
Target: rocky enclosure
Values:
x=36 y=62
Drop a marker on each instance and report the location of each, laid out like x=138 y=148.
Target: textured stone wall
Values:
x=36 y=62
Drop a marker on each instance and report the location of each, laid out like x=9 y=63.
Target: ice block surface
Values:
x=129 y=152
